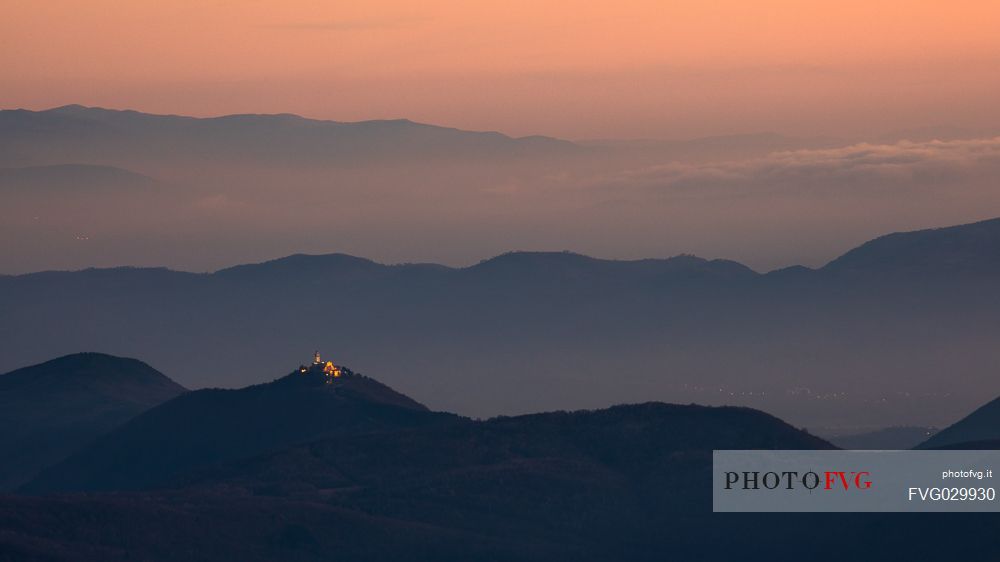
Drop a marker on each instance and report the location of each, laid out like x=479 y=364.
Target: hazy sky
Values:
x=572 y=69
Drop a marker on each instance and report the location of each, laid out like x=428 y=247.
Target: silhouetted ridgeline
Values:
x=869 y=335
x=50 y=410
x=981 y=426
x=127 y=138
x=268 y=470
x=317 y=467
x=969 y=248
x=205 y=427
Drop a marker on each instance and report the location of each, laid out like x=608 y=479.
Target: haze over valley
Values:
x=87 y=187
x=898 y=331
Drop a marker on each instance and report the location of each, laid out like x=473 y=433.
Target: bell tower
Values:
x=316 y=359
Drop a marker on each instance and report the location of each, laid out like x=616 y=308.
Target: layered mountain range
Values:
x=88 y=186
x=311 y=466
x=900 y=331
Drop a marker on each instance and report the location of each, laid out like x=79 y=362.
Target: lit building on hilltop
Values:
x=329 y=370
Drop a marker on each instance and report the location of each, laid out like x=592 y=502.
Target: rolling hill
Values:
x=982 y=425
x=370 y=475
x=205 y=427
x=53 y=409
x=968 y=248
x=533 y=331
x=394 y=481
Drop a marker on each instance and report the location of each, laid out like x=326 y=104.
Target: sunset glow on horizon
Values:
x=633 y=69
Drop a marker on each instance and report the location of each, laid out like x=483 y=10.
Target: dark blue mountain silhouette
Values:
x=530 y=331
x=980 y=426
x=968 y=248
x=205 y=427
x=628 y=482
x=53 y=409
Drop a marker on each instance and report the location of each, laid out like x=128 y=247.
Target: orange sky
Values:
x=620 y=68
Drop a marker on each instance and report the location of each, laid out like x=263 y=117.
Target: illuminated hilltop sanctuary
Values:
x=329 y=370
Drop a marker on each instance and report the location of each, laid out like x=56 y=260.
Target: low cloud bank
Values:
x=850 y=168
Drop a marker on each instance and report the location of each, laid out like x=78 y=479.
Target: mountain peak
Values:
x=204 y=427
x=521 y=258
x=968 y=247
x=324 y=375
x=69 y=108
x=60 y=405
x=981 y=425
x=89 y=358
x=78 y=110
x=564 y=263
x=116 y=375
x=303 y=264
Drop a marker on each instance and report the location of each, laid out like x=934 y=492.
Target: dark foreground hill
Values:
x=50 y=410
x=629 y=483
x=210 y=426
x=513 y=474
x=392 y=481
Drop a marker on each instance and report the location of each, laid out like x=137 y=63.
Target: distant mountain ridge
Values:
x=517 y=263
x=967 y=247
x=971 y=247
x=75 y=133
x=523 y=266
x=531 y=331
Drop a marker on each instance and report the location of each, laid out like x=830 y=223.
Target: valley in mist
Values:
x=876 y=338
x=898 y=331
x=92 y=187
